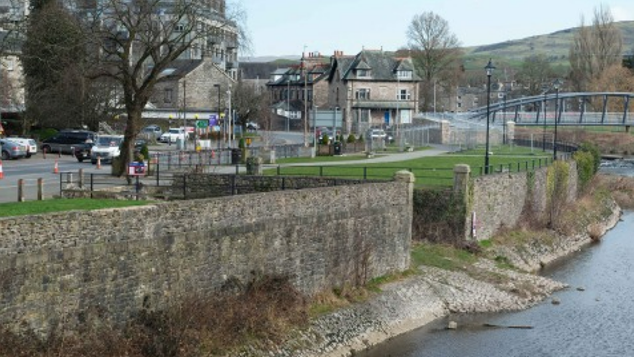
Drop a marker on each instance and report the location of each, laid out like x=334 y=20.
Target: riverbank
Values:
x=434 y=293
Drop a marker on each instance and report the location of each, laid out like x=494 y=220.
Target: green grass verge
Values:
x=299 y=160
x=441 y=256
x=429 y=171
x=59 y=205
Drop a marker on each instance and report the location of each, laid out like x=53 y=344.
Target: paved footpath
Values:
x=384 y=157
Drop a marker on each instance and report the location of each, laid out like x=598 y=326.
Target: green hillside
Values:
x=555 y=45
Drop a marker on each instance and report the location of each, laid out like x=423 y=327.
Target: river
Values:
x=594 y=318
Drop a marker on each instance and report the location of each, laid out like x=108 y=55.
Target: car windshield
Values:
x=109 y=141
x=175 y=131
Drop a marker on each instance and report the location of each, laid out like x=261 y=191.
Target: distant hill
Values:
x=554 y=45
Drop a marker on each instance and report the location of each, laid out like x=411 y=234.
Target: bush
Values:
x=242 y=144
x=585 y=167
x=145 y=151
x=595 y=152
x=351 y=139
x=325 y=139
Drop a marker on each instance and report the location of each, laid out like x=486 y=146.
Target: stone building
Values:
x=373 y=88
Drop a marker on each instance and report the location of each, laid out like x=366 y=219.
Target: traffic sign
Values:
x=201 y=124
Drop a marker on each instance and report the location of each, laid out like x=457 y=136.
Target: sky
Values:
x=290 y=27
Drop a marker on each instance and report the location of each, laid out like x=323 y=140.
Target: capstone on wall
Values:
x=61 y=266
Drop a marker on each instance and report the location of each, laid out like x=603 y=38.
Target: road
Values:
x=30 y=170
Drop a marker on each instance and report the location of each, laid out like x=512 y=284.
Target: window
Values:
x=404 y=74
x=167 y=98
x=363 y=93
x=362 y=73
x=179 y=28
x=402 y=94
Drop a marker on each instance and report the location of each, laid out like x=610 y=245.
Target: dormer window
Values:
x=363 y=73
x=404 y=74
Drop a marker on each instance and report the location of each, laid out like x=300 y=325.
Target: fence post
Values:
x=158 y=173
x=184 y=186
x=283 y=183
x=237 y=169
x=40 y=189
x=365 y=172
x=138 y=188
x=92 y=184
x=233 y=185
x=278 y=170
x=321 y=171
x=81 y=178
x=21 y=190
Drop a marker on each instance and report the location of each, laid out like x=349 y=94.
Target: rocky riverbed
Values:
x=409 y=304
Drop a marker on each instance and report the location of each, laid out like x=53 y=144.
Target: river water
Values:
x=595 y=316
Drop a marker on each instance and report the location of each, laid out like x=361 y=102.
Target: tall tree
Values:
x=250 y=103
x=536 y=70
x=595 y=48
x=435 y=52
x=136 y=41
x=53 y=51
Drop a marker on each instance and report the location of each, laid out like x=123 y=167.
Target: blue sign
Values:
x=386 y=115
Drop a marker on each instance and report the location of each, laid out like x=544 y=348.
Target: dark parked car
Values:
x=12 y=150
x=66 y=140
x=83 y=151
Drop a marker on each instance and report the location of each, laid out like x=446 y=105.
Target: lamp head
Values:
x=557 y=83
x=489 y=68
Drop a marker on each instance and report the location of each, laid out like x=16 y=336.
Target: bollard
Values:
x=40 y=189
x=21 y=190
x=81 y=178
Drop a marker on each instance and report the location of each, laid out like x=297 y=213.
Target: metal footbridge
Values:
x=567 y=108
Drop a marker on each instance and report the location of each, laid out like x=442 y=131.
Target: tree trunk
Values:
x=127 y=150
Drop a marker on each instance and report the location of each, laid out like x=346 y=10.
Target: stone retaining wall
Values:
x=60 y=266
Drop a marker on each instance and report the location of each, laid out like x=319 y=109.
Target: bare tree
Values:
x=136 y=41
x=250 y=102
x=535 y=71
x=595 y=48
x=436 y=54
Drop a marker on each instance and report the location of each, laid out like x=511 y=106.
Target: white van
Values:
x=106 y=148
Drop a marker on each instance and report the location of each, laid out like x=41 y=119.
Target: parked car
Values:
x=31 y=145
x=12 y=150
x=172 y=135
x=83 y=151
x=151 y=132
x=66 y=140
x=106 y=148
x=252 y=126
x=380 y=134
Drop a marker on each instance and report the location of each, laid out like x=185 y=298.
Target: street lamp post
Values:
x=218 y=118
x=489 y=69
x=544 y=125
x=556 y=84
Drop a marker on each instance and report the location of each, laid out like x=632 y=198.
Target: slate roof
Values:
x=383 y=66
x=180 y=68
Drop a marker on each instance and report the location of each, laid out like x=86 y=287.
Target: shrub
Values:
x=595 y=152
x=351 y=139
x=325 y=139
x=242 y=143
x=585 y=167
x=145 y=152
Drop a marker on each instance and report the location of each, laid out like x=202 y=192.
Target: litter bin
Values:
x=337 y=148
x=236 y=156
x=180 y=144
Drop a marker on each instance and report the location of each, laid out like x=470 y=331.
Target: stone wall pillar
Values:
x=461 y=178
x=445 y=132
x=407 y=177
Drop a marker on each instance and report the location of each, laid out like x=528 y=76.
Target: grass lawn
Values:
x=298 y=160
x=429 y=171
x=58 y=205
